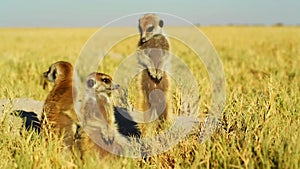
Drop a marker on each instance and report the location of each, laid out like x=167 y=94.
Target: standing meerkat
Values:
x=153 y=56
x=97 y=116
x=59 y=115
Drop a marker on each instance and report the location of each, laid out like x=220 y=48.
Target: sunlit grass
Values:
x=260 y=126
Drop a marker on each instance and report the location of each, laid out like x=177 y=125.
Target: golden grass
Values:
x=260 y=126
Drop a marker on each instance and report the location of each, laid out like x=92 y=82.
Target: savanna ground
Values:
x=260 y=123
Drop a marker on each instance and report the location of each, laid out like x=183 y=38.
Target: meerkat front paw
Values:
x=159 y=74
x=152 y=72
x=155 y=74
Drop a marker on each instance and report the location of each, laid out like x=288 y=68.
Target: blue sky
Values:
x=89 y=13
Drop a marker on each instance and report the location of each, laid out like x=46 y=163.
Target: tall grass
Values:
x=260 y=125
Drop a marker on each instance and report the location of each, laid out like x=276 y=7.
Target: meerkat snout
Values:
x=150 y=25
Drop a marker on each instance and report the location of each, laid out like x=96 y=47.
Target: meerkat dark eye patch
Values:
x=140 y=29
x=106 y=80
x=150 y=29
x=90 y=83
x=54 y=74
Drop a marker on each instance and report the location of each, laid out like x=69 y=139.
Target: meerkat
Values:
x=58 y=114
x=153 y=56
x=97 y=116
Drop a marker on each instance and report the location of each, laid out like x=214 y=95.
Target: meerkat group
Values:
x=97 y=114
x=95 y=127
x=153 y=56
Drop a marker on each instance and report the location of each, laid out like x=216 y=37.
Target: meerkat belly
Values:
x=154 y=93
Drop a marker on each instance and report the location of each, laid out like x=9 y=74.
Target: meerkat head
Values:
x=98 y=89
x=150 y=25
x=101 y=83
x=58 y=70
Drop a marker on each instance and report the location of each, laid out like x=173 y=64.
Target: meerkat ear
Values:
x=161 y=23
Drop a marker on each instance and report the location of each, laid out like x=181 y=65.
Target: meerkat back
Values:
x=58 y=111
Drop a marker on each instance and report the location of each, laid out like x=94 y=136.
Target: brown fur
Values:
x=58 y=114
x=148 y=85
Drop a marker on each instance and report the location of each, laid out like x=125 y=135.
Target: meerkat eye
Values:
x=90 y=83
x=150 y=29
x=106 y=80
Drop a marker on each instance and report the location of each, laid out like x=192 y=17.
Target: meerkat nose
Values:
x=45 y=74
x=116 y=86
